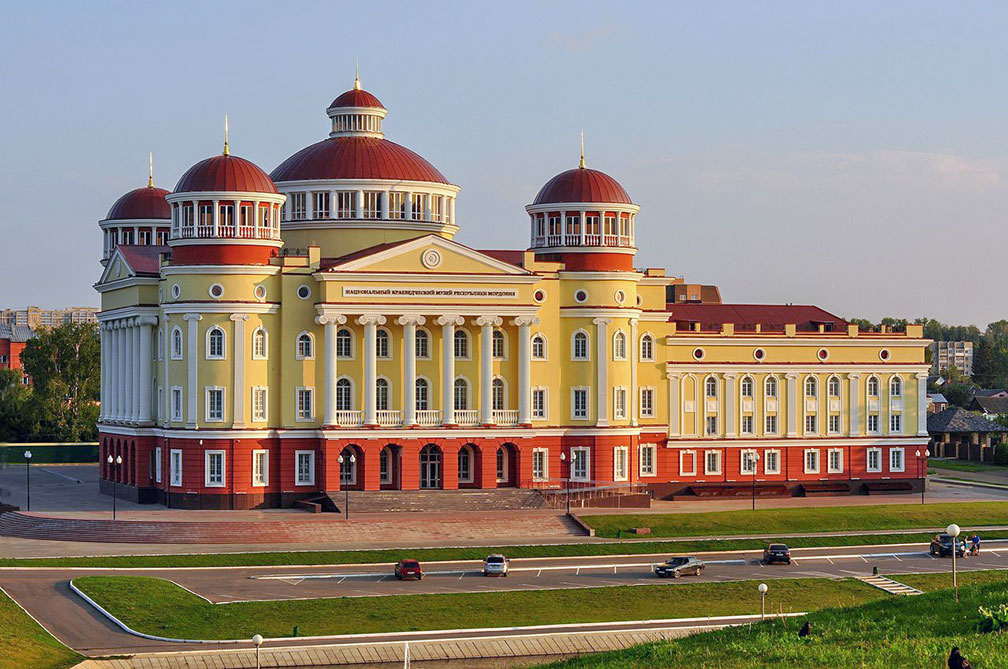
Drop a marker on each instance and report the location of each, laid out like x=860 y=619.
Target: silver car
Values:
x=495 y=565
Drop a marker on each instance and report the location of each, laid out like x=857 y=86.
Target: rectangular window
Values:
x=305 y=461
x=418 y=206
x=810 y=423
x=747 y=424
x=175 y=467
x=579 y=403
x=712 y=425
x=321 y=205
x=305 y=405
x=260 y=468
x=647 y=402
x=873 y=422
x=372 y=200
x=646 y=455
x=771 y=424
x=214 y=469
x=687 y=463
x=540 y=464
x=874 y=460
x=896 y=423
x=144 y=238
x=811 y=461
x=771 y=462
x=298 y=206
x=176 y=403
x=225 y=220
x=712 y=462
x=159 y=407
x=621 y=455
x=834 y=464
x=435 y=208
x=619 y=403
x=579 y=463
x=539 y=403
x=896 y=459
x=259 y=404
x=214 y=405
x=157 y=464
x=834 y=423
x=396 y=206
x=347 y=204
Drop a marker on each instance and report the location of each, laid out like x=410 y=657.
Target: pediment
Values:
x=430 y=254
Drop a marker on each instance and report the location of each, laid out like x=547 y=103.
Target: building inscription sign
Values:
x=426 y=292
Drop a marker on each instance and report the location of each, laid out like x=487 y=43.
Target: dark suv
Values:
x=776 y=553
x=941 y=546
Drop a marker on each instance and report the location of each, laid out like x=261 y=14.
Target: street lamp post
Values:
x=563 y=458
x=114 y=465
x=762 y=587
x=920 y=464
x=257 y=640
x=27 y=462
x=346 y=490
x=953 y=531
x=754 y=462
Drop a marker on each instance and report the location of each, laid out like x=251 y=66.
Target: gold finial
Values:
x=582 y=150
x=356 y=75
x=150 y=170
x=227 y=151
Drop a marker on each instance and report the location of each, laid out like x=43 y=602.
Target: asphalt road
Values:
x=45 y=592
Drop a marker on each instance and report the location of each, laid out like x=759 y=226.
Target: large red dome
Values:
x=356 y=157
x=141 y=203
x=357 y=97
x=225 y=173
x=582 y=185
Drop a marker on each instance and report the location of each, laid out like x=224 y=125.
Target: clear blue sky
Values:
x=847 y=154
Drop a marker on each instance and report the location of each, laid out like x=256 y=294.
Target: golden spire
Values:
x=227 y=151
x=150 y=170
x=582 y=150
x=356 y=75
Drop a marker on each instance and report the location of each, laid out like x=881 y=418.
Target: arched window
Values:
x=647 y=347
x=344 y=343
x=465 y=460
x=873 y=386
x=381 y=395
x=811 y=386
x=344 y=395
x=422 y=395
x=385 y=466
x=215 y=343
x=747 y=386
x=498 y=345
x=422 y=344
x=305 y=347
x=461 y=344
x=382 y=343
x=895 y=386
x=770 y=386
x=176 y=344
x=259 y=344
x=580 y=346
x=160 y=344
x=498 y=395
x=538 y=347
x=619 y=346
x=710 y=387
x=833 y=388
x=430 y=467
x=461 y=395
x=502 y=462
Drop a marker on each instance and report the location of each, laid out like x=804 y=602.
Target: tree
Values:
x=64 y=365
x=984 y=371
x=959 y=394
x=18 y=413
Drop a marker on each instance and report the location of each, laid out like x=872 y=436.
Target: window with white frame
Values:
x=712 y=462
x=580 y=465
x=619 y=346
x=710 y=387
x=747 y=424
x=384 y=466
x=305 y=349
x=810 y=423
x=498 y=398
x=770 y=386
x=540 y=464
x=305 y=463
x=214 y=469
x=579 y=346
x=214 y=404
x=381 y=394
x=834 y=462
x=497 y=345
x=176 y=403
x=176 y=344
x=895 y=423
x=298 y=206
x=396 y=205
x=811 y=461
x=834 y=423
x=422 y=340
x=259 y=394
x=579 y=403
x=344 y=394
x=896 y=463
x=382 y=348
x=873 y=386
x=465 y=459
x=175 y=466
x=746 y=387
x=422 y=394
x=711 y=426
x=687 y=463
x=344 y=344
x=321 y=205
x=833 y=387
x=418 y=200
x=771 y=424
x=372 y=201
x=259 y=341
x=895 y=386
x=621 y=456
x=260 y=468
x=461 y=394
x=647 y=402
x=873 y=423
x=748 y=462
x=305 y=404
x=538 y=347
x=874 y=464
x=647 y=348
x=346 y=202
x=771 y=462
x=619 y=403
x=461 y=344
x=647 y=455
x=157 y=464
x=811 y=387
x=539 y=403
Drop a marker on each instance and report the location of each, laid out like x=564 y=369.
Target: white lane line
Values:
x=830 y=560
x=995 y=554
x=340 y=581
x=461 y=575
x=539 y=573
x=383 y=578
x=863 y=558
x=897 y=558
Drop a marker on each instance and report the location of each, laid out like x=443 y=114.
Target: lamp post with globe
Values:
x=346 y=490
x=762 y=588
x=257 y=640
x=114 y=465
x=563 y=458
x=27 y=464
x=953 y=531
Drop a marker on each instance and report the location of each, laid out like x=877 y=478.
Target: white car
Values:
x=495 y=565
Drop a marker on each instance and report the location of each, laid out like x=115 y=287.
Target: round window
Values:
x=822 y=354
x=175 y=291
x=539 y=296
x=216 y=291
x=580 y=296
x=620 y=297
x=304 y=292
x=698 y=353
x=883 y=354
x=260 y=292
x=759 y=354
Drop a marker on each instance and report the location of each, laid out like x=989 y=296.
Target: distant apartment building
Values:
x=949 y=354
x=36 y=317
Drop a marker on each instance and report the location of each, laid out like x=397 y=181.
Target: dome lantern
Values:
x=140 y=217
x=356 y=113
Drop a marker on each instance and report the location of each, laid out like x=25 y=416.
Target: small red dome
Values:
x=141 y=203
x=357 y=97
x=225 y=173
x=356 y=157
x=582 y=185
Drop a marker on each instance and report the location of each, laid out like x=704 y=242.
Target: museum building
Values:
x=273 y=338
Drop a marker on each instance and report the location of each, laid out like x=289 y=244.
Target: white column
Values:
x=146 y=368
x=360 y=204
x=238 y=404
x=103 y=370
x=632 y=356
x=583 y=222
x=370 y=324
x=192 y=355
x=792 y=405
x=120 y=370
x=673 y=404
x=486 y=324
x=136 y=365
x=332 y=204
x=128 y=370
x=855 y=405
x=383 y=205
x=409 y=323
x=408 y=199
x=164 y=411
x=448 y=324
x=730 y=398
x=525 y=324
x=921 y=405
x=215 y=217
x=601 y=365
x=330 y=321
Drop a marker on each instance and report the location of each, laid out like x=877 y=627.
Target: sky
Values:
x=852 y=155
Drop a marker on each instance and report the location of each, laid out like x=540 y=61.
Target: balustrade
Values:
x=467 y=416
x=349 y=418
x=428 y=417
x=505 y=417
x=389 y=418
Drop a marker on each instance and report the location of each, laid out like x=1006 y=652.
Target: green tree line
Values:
x=62 y=401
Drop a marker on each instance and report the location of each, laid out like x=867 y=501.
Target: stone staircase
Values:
x=380 y=501
x=889 y=585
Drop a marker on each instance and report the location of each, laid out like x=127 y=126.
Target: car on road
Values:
x=408 y=569
x=941 y=546
x=496 y=565
x=677 y=566
x=776 y=553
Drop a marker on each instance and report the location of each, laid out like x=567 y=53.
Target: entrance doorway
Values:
x=430 y=467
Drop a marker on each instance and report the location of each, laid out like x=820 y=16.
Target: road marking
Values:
x=995 y=554
x=863 y=558
x=539 y=573
x=461 y=575
x=830 y=560
x=343 y=579
x=897 y=558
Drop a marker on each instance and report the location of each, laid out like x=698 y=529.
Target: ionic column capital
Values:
x=791 y=376
x=601 y=321
x=854 y=376
x=521 y=321
x=450 y=320
x=147 y=320
x=411 y=319
x=370 y=319
x=239 y=317
x=338 y=319
x=487 y=321
x=921 y=376
x=192 y=317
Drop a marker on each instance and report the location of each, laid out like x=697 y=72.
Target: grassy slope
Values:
x=24 y=644
x=159 y=607
x=807 y=519
x=891 y=632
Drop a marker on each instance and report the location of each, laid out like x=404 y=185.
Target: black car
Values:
x=776 y=553
x=941 y=546
x=677 y=566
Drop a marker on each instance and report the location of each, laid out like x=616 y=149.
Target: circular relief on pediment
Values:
x=430 y=258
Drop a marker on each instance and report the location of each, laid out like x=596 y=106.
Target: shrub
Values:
x=1001 y=454
x=994 y=620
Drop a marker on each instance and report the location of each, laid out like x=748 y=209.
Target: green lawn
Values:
x=807 y=519
x=42 y=454
x=24 y=644
x=160 y=607
x=963 y=466
x=890 y=632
